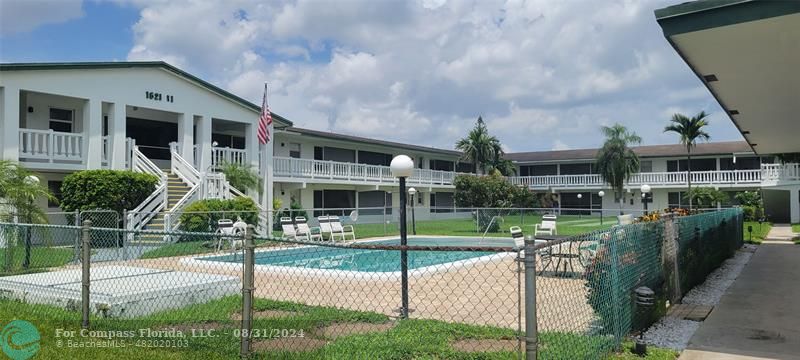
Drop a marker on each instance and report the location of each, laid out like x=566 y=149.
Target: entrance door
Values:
x=152 y=137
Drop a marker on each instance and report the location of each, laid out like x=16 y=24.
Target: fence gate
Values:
x=106 y=245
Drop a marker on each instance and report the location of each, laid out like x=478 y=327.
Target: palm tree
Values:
x=19 y=190
x=497 y=164
x=241 y=177
x=478 y=147
x=690 y=129
x=616 y=161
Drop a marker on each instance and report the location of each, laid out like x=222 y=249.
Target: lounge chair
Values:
x=289 y=230
x=233 y=232
x=325 y=228
x=547 y=226
x=305 y=232
x=338 y=229
x=626 y=219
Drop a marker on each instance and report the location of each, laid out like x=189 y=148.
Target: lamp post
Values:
x=645 y=190
x=601 y=193
x=580 y=213
x=412 y=192
x=402 y=167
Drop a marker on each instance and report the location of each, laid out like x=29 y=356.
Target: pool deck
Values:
x=482 y=293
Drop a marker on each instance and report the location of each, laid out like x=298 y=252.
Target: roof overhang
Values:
x=280 y=121
x=747 y=53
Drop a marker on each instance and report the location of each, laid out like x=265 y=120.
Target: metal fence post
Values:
x=85 y=262
x=78 y=238
x=531 y=327
x=248 y=286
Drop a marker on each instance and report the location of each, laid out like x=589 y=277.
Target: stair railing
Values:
x=186 y=172
x=156 y=201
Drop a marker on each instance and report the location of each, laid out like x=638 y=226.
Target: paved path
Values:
x=759 y=315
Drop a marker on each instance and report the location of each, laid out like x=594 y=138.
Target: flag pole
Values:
x=266 y=171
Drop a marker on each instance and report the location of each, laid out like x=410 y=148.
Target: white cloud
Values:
x=19 y=16
x=423 y=71
x=560 y=145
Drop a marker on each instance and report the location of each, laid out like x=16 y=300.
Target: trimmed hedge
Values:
x=116 y=190
x=202 y=215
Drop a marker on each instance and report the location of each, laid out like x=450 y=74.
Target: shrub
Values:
x=116 y=190
x=706 y=197
x=202 y=215
x=492 y=191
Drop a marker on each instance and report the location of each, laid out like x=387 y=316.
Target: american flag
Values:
x=265 y=121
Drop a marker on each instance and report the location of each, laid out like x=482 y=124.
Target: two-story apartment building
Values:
x=155 y=118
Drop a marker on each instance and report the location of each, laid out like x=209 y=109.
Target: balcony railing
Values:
x=221 y=155
x=767 y=173
x=52 y=146
x=362 y=173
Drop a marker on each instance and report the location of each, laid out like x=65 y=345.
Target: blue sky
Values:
x=544 y=75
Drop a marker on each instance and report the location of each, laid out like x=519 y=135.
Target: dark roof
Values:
x=712 y=148
x=351 y=138
x=140 y=64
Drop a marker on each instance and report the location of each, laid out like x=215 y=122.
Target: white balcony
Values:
x=287 y=169
x=768 y=175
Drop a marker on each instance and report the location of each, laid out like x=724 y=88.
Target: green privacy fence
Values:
x=586 y=284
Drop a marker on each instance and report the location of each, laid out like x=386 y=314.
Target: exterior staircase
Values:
x=176 y=189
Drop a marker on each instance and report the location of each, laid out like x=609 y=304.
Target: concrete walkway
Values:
x=759 y=315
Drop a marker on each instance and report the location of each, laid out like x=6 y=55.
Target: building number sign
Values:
x=152 y=95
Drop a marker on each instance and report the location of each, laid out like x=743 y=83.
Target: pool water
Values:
x=320 y=257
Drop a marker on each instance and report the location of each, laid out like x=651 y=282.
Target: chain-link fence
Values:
x=222 y=294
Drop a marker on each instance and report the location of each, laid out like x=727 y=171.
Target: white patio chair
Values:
x=547 y=226
x=304 y=231
x=626 y=219
x=325 y=227
x=341 y=230
x=228 y=230
x=289 y=230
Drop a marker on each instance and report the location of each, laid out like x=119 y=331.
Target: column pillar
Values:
x=9 y=123
x=117 y=118
x=93 y=133
x=794 y=205
x=251 y=145
x=186 y=136
x=203 y=142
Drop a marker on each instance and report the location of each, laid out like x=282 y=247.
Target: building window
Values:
x=294 y=150
x=61 y=120
x=646 y=166
x=55 y=189
x=676 y=200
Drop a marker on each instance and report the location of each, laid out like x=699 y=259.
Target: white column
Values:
x=9 y=123
x=116 y=133
x=186 y=136
x=794 y=205
x=204 y=142
x=251 y=144
x=93 y=133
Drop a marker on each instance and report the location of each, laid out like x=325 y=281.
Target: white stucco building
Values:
x=59 y=118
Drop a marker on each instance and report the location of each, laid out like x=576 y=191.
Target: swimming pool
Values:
x=371 y=261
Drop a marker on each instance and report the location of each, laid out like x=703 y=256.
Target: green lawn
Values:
x=567 y=225
x=796 y=228
x=41 y=258
x=408 y=339
x=759 y=231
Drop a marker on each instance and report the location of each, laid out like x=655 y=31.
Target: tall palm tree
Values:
x=478 y=146
x=616 y=161
x=503 y=166
x=19 y=190
x=690 y=129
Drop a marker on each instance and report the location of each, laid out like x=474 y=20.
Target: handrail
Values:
x=142 y=163
x=753 y=176
x=147 y=210
x=51 y=145
x=229 y=155
x=177 y=209
x=182 y=168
